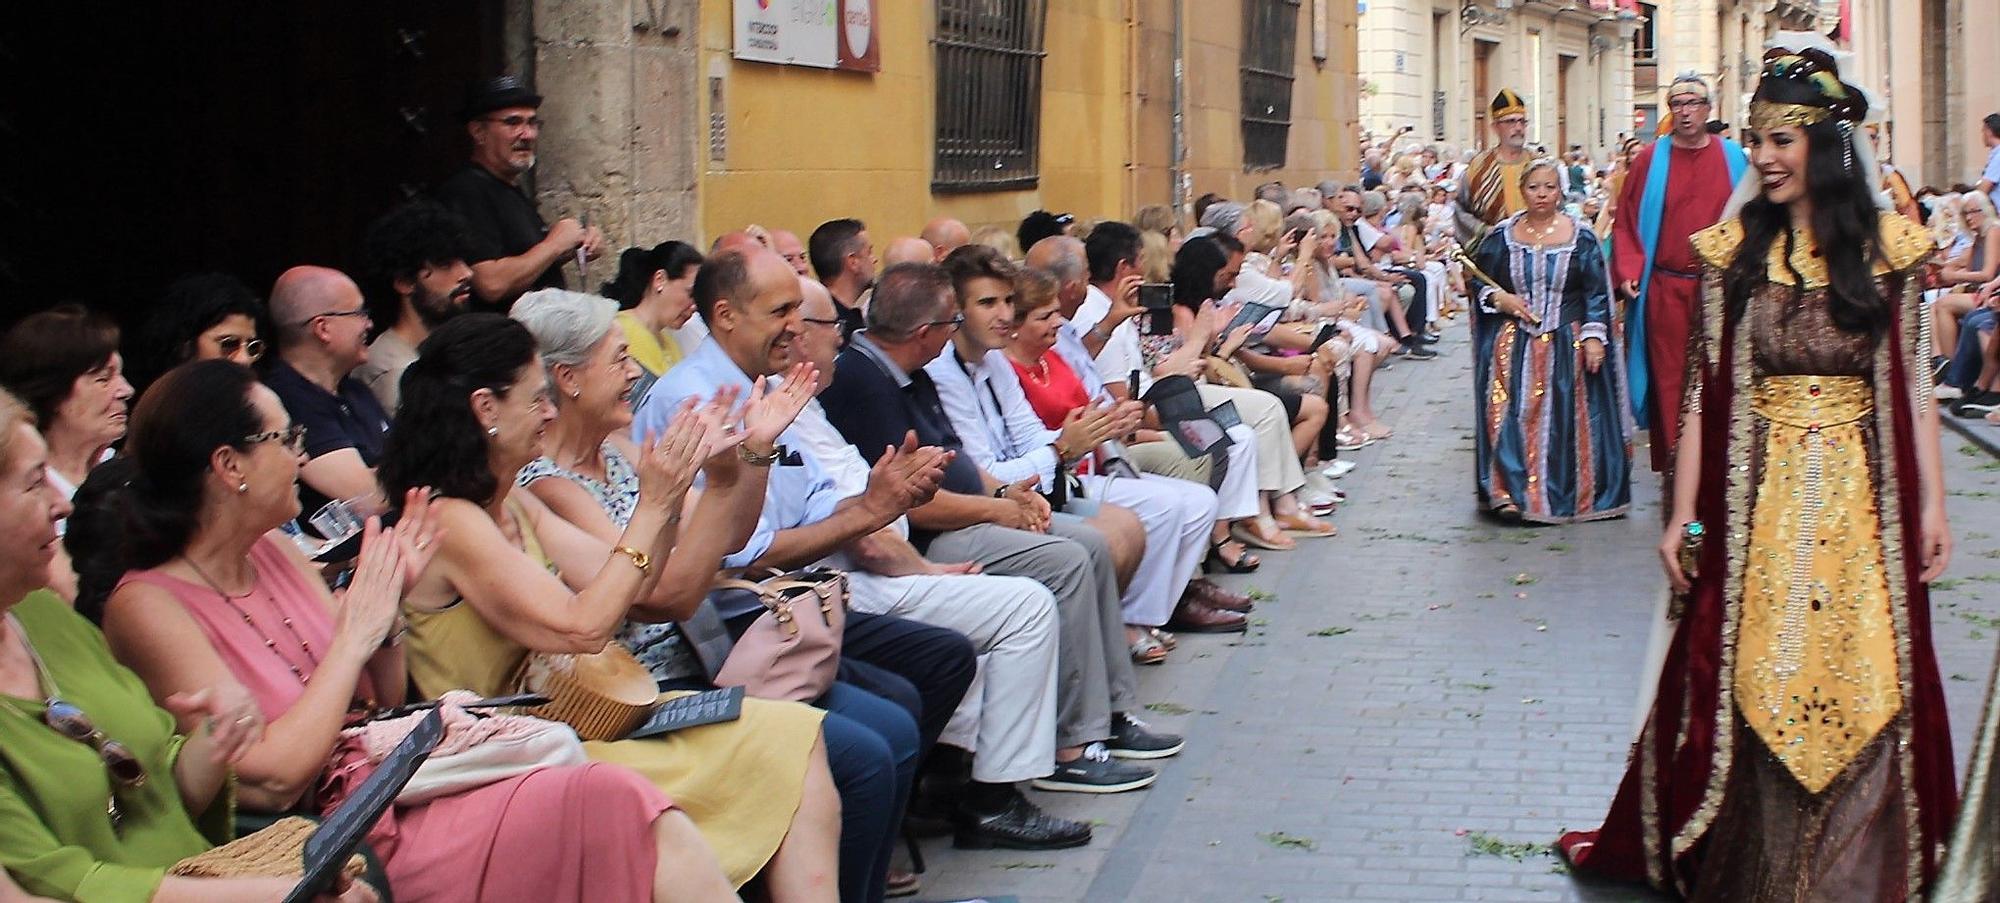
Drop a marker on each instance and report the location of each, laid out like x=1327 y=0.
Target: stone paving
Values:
x=1429 y=698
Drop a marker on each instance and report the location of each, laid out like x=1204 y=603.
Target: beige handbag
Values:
x=603 y=695
x=793 y=649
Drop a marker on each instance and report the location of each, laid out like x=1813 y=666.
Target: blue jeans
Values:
x=1966 y=359
x=871 y=748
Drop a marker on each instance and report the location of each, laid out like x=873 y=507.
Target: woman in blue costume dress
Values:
x=1553 y=444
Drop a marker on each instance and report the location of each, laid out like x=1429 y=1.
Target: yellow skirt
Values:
x=739 y=781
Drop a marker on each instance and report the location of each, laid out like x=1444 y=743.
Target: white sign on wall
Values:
x=826 y=34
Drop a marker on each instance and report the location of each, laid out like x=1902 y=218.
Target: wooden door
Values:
x=234 y=136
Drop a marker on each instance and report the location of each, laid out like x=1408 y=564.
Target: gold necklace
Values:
x=1539 y=235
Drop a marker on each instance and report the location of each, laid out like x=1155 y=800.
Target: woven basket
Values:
x=278 y=851
x=604 y=696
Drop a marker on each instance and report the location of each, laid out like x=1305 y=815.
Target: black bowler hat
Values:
x=497 y=94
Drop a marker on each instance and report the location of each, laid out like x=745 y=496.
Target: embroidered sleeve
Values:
x=1694 y=374
x=1917 y=344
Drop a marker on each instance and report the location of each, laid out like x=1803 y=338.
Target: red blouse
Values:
x=1053 y=389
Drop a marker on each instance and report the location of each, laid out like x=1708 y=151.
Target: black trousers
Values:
x=924 y=669
x=1417 y=312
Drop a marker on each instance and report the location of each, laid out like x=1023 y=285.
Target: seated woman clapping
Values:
x=511 y=578
x=99 y=795
x=219 y=595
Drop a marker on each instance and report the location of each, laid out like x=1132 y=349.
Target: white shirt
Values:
x=1120 y=354
x=837 y=458
x=995 y=424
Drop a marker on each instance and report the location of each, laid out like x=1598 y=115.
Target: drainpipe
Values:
x=1179 y=151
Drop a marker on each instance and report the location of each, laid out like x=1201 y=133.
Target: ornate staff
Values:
x=1465 y=260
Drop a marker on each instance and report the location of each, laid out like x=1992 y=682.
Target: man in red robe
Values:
x=1678 y=187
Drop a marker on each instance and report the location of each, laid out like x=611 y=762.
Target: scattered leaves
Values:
x=1524 y=579
x=1168 y=708
x=1331 y=631
x=1284 y=841
x=1484 y=844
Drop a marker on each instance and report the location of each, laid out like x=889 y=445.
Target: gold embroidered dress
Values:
x=1798 y=749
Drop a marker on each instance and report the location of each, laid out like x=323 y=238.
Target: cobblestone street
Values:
x=1428 y=698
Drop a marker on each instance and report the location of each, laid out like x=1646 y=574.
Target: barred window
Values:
x=1270 y=37
x=989 y=94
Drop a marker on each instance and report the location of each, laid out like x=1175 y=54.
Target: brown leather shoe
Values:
x=1196 y=616
x=1212 y=593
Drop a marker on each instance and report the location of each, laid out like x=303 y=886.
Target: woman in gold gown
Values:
x=1798 y=748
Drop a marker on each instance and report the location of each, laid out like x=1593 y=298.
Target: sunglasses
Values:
x=125 y=769
x=293 y=437
x=251 y=348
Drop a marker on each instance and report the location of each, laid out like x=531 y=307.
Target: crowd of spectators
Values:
x=995 y=433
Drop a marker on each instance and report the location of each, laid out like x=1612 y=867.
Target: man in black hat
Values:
x=514 y=251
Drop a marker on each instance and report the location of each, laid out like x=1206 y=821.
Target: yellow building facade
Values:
x=801 y=145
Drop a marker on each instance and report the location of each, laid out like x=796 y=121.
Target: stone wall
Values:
x=619 y=78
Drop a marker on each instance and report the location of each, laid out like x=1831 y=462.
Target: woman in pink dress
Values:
x=214 y=465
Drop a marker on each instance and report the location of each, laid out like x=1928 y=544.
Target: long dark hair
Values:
x=188 y=413
x=95 y=534
x=1844 y=220
x=636 y=267
x=436 y=440
x=191 y=306
x=1196 y=264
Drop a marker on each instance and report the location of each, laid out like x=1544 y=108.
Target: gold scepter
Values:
x=1465 y=260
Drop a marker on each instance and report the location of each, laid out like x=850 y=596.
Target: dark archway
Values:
x=149 y=140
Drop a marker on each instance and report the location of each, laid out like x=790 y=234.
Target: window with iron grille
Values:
x=989 y=94
x=1270 y=37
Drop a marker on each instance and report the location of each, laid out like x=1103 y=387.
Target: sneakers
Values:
x=1096 y=772
x=1131 y=740
x=1947 y=392
x=1336 y=468
x=1417 y=352
x=1018 y=825
x=1977 y=403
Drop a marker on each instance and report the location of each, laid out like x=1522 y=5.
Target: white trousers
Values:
x=1178 y=516
x=1008 y=717
x=1278 y=467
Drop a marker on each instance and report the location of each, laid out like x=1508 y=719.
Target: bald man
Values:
x=322 y=335
x=908 y=250
x=787 y=244
x=737 y=242
x=945 y=235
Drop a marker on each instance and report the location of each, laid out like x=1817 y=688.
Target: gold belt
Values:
x=1812 y=402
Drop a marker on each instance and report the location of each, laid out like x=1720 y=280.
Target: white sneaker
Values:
x=1318 y=483
x=1336 y=468
x=1946 y=392
x=1313 y=498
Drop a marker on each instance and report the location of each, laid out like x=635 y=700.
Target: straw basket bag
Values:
x=278 y=851
x=603 y=695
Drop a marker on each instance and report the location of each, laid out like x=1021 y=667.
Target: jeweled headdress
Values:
x=1802 y=88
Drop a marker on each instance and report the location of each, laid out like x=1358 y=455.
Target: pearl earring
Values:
x=576 y=393
x=242 y=488
x=493 y=432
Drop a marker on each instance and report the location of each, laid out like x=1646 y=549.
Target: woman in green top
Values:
x=98 y=795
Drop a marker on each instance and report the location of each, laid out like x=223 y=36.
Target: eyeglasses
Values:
x=336 y=314
x=293 y=437
x=1688 y=104
x=516 y=121
x=251 y=348
x=955 y=322
x=816 y=321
